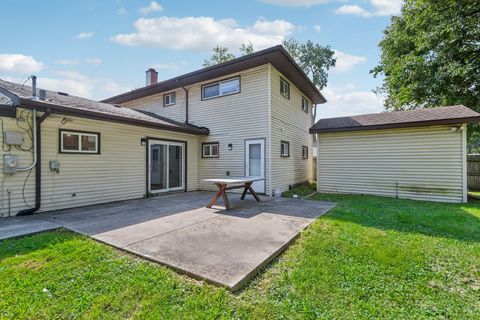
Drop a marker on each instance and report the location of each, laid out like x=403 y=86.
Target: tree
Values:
x=431 y=55
x=220 y=55
x=315 y=60
x=246 y=49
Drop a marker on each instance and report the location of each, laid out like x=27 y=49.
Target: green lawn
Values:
x=370 y=257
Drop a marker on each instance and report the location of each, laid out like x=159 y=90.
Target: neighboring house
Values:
x=419 y=154
x=246 y=117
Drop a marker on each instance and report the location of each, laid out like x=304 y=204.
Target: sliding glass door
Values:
x=166 y=166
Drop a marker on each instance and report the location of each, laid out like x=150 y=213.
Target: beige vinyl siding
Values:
x=154 y=103
x=289 y=123
x=424 y=163
x=117 y=173
x=232 y=119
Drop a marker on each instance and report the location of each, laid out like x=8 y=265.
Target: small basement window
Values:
x=284 y=88
x=210 y=150
x=79 y=142
x=285 y=149
x=169 y=99
x=304 y=152
x=221 y=88
x=304 y=104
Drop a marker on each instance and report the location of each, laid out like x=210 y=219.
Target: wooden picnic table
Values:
x=225 y=184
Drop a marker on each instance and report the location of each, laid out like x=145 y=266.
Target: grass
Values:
x=370 y=257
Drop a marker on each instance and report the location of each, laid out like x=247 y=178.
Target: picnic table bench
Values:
x=225 y=184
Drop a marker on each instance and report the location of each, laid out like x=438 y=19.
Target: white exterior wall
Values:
x=289 y=123
x=428 y=163
x=117 y=173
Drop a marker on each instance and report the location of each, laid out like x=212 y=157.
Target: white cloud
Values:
x=85 y=35
x=171 y=65
x=19 y=63
x=345 y=62
x=122 y=11
x=353 y=10
x=70 y=62
x=94 y=61
x=317 y=27
x=296 y=3
x=379 y=8
x=204 y=33
x=153 y=7
x=346 y=101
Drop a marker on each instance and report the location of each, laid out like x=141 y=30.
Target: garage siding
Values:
x=117 y=173
x=424 y=163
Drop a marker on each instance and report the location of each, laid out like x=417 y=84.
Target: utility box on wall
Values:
x=10 y=163
x=13 y=138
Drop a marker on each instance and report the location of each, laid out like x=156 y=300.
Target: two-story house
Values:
x=246 y=117
x=258 y=109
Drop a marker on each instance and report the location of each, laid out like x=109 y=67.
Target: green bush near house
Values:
x=369 y=258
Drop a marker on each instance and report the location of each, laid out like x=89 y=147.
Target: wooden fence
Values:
x=473 y=171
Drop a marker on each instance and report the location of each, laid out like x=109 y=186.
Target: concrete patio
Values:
x=223 y=247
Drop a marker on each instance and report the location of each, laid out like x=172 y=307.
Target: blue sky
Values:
x=100 y=48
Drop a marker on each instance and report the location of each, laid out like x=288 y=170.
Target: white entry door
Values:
x=166 y=166
x=255 y=162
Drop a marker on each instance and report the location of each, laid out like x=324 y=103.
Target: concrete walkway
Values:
x=223 y=247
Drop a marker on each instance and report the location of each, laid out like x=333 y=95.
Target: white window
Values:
x=285 y=149
x=304 y=104
x=79 y=142
x=284 y=88
x=210 y=150
x=221 y=88
x=169 y=99
x=304 y=152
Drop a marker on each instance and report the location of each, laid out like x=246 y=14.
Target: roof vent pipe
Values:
x=42 y=94
x=34 y=87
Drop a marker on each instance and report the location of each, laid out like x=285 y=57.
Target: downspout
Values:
x=186 y=104
x=37 y=164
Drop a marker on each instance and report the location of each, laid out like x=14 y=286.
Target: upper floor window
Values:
x=304 y=152
x=285 y=88
x=304 y=104
x=169 y=99
x=210 y=150
x=285 y=148
x=79 y=142
x=221 y=88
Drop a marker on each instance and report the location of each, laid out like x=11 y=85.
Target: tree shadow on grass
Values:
x=25 y=245
x=455 y=221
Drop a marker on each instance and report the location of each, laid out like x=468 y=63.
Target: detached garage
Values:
x=419 y=154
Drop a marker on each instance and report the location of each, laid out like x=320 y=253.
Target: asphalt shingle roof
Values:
x=398 y=119
x=58 y=101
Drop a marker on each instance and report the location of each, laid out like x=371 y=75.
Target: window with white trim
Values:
x=221 y=88
x=304 y=152
x=304 y=104
x=210 y=150
x=284 y=149
x=79 y=142
x=284 y=88
x=169 y=99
